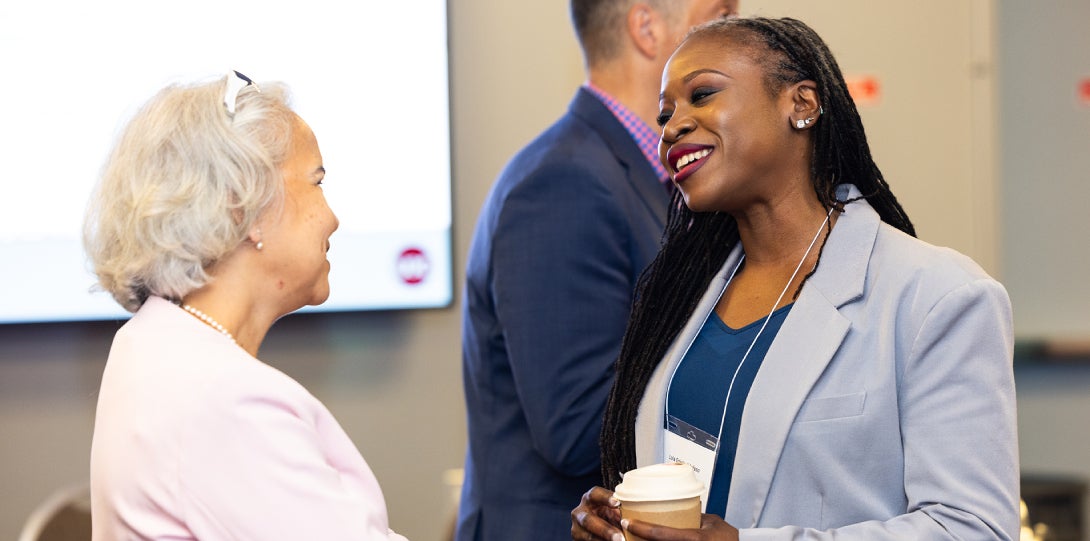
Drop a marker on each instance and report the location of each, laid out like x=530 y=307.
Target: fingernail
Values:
x=614 y=502
x=624 y=523
x=618 y=537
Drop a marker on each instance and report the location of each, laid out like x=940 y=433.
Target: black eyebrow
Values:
x=692 y=75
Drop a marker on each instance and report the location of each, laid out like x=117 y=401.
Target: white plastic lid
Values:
x=658 y=482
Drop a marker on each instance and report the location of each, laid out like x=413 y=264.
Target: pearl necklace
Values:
x=211 y=322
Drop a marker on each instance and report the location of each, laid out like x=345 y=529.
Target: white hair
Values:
x=183 y=187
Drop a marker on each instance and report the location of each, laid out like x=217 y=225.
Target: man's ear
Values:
x=643 y=26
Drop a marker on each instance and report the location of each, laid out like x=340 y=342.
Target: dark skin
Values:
x=598 y=517
x=757 y=166
x=732 y=146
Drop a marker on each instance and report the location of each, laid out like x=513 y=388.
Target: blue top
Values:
x=699 y=388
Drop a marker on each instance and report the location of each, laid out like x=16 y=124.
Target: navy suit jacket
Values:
x=567 y=229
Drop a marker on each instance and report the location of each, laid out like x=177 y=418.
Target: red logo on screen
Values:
x=413 y=266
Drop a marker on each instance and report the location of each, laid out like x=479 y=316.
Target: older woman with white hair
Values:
x=209 y=223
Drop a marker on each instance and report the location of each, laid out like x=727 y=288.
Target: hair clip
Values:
x=235 y=83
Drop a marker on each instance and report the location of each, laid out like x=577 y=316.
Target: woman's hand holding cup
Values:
x=598 y=517
x=654 y=503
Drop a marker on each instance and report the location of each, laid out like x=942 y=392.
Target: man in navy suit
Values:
x=567 y=229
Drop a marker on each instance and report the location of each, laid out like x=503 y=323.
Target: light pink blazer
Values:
x=196 y=439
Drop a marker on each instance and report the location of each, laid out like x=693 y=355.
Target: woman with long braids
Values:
x=828 y=375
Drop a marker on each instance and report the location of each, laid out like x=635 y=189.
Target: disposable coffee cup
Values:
x=664 y=494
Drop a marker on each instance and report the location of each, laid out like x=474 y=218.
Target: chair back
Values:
x=64 y=516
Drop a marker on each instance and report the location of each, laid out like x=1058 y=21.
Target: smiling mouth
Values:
x=690 y=158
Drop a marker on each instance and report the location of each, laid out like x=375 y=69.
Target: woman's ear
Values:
x=805 y=104
x=254 y=236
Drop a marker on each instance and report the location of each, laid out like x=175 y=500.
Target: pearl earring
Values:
x=259 y=245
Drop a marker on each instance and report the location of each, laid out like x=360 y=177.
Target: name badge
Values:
x=693 y=446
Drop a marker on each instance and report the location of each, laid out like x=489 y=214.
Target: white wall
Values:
x=1045 y=138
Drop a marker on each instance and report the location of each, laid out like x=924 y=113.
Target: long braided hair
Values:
x=697 y=244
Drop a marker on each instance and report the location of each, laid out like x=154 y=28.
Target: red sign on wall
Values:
x=1083 y=92
x=866 y=90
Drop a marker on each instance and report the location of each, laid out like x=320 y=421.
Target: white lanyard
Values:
x=679 y=443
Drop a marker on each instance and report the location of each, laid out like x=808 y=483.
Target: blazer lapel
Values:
x=650 y=418
x=640 y=173
x=804 y=346
x=789 y=370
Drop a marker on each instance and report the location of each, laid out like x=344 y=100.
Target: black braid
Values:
x=697 y=244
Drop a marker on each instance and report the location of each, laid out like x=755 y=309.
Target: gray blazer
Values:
x=885 y=407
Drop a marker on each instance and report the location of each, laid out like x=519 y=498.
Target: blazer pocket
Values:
x=831 y=407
